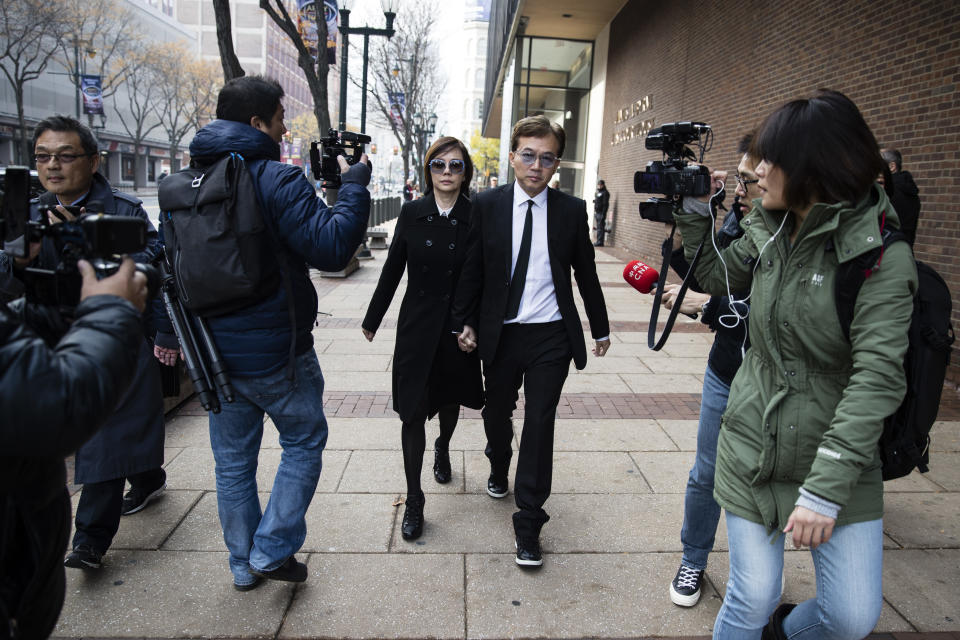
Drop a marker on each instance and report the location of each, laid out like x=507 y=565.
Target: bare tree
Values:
x=317 y=70
x=29 y=33
x=185 y=93
x=408 y=63
x=100 y=29
x=228 y=57
x=142 y=93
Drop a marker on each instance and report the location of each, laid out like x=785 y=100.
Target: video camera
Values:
x=101 y=239
x=323 y=155
x=674 y=176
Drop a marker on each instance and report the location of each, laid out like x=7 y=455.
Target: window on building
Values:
x=479 y=77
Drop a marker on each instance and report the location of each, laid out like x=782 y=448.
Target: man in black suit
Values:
x=515 y=301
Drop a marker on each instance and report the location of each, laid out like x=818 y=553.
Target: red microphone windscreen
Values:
x=641 y=277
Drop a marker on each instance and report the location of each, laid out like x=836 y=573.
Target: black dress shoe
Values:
x=289 y=571
x=412 y=526
x=497 y=486
x=441 y=464
x=249 y=586
x=528 y=552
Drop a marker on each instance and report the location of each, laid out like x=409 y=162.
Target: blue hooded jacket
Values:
x=255 y=341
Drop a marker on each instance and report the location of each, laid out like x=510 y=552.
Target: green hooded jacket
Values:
x=806 y=408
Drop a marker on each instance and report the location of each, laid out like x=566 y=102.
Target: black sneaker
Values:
x=497 y=486
x=441 y=464
x=83 y=557
x=249 y=586
x=685 y=588
x=289 y=571
x=412 y=526
x=528 y=552
x=137 y=499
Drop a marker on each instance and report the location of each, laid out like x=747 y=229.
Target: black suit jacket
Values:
x=481 y=299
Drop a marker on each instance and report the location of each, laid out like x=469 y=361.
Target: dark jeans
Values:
x=600 y=220
x=98 y=514
x=538 y=357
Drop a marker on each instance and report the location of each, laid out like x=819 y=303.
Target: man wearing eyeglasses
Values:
x=129 y=446
x=515 y=303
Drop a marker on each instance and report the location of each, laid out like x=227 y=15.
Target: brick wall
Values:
x=730 y=63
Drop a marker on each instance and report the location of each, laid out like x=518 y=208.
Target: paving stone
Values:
x=682 y=432
x=187 y=431
x=662 y=383
x=922 y=520
x=350 y=523
x=800 y=584
x=477 y=471
x=667 y=471
x=694 y=366
x=912 y=483
x=381 y=345
x=586 y=381
x=945 y=436
x=148 y=529
x=575 y=434
x=924 y=586
x=335 y=364
x=194 y=469
x=200 y=529
x=945 y=470
x=611 y=364
x=584 y=523
x=577 y=596
x=382 y=472
x=168 y=594
x=460 y=524
x=387 y=596
x=358 y=381
x=596 y=472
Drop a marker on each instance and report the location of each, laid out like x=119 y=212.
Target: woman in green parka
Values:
x=798 y=451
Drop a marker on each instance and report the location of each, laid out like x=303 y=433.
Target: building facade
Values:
x=729 y=64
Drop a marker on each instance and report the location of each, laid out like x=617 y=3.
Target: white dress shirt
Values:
x=539 y=301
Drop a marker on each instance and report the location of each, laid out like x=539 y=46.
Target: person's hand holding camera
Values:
x=718 y=179
x=358 y=173
x=692 y=301
x=127 y=283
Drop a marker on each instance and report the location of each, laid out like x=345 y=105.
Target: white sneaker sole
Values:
x=684 y=601
x=493 y=494
x=527 y=563
x=150 y=498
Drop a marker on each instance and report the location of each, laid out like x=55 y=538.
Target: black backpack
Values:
x=219 y=249
x=905 y=443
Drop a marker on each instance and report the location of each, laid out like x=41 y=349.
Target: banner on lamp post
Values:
x=398 y=105
x=307 y=27
x=90 y=89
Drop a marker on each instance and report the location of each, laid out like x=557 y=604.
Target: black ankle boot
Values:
x=441 y=463
x=774 y=628
x=412 y=525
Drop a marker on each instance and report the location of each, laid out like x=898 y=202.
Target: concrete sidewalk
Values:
x=625 y=439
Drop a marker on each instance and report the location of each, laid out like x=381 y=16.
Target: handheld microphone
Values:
x=640 y=276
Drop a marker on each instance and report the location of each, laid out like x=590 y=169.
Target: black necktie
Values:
x=520 y=271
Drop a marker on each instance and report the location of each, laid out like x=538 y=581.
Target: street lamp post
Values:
x=424 y=127
x=389 y=12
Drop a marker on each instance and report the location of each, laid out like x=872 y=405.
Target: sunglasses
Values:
x=439 y=166
x=63 y=158
x=547 y=160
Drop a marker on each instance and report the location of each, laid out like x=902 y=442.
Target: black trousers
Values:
x=538 y=357
x=600 y=220
x=98 y=513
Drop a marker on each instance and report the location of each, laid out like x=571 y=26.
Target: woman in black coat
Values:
x=430 y=373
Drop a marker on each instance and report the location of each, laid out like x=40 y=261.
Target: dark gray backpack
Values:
x=220 y=251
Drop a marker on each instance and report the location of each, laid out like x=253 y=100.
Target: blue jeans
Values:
x=265 y=540
x=701 y=513
x=849 y=591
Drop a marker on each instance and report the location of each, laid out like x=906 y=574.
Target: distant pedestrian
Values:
x=408 y=191
x=905 y=198
x=601 y=202
x=161 y=177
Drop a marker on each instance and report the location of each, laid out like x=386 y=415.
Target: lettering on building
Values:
x=634 y=130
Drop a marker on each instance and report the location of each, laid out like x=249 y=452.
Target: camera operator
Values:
x=129 y=445
x=798 y=450
x=727 y=319
x=267 y=346
x=51 y=400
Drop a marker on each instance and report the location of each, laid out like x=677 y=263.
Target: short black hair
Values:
x=65 y=123
x=601 y=183
x=745 y=143
x=892 y=155
x=824 y=148
x=248 y=96
x=538 y=127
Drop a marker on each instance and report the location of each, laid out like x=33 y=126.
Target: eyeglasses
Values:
x=547 y=160
x=743 y=183
x=439 y=166
x=62 y=158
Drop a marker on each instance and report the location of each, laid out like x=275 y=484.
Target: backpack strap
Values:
x=853 y=274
